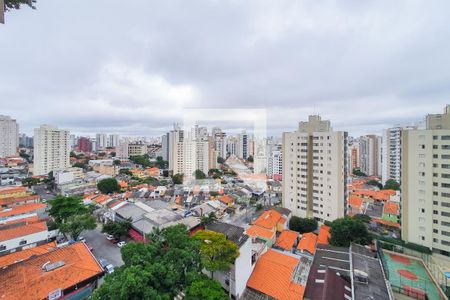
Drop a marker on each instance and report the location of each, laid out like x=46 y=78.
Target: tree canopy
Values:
x=302 y=225
x=391 y=184
x=205 y=288
x=117 y=229
x=142 y=160
x=108 y=185
x=358 y=172
x=157 y=270
x=217 y=252
x=177 y=178
x=347 y=230
x=76 y=224
x=199 y=174
x=16 y=4
x=220 y=160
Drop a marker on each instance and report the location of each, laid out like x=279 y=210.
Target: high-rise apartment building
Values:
x=175 y=153
x=354 y=156
x=113 y=140
x=9 y=136
x=137 y=149
x=392 y=153
x=219 y=142
x=122 y=150
x=51 y=149
x=25 y=141
x=315 y=170
x=370 y=154
x=425 y=180
x=231 y=146
x=243 y=142
x=275 y=165
x=84 y=144
x=101 y=141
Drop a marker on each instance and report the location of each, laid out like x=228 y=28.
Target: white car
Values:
x=121 y=244
x=81 y=239
x=109 y=269
x=109 y=237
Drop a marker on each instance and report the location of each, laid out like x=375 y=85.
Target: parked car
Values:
x=109 y=237
x=109 y=268
x=81 y=239
x=121 y=244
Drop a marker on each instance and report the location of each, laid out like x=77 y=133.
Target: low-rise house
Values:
x=14 y=191
x=15 y=201
x=324 y=235
x=17 y=236
x=19 y=256
x=287 y=240
x=236 y=279
x=307 y=243
x=276 y=276
x=22 y=211
x=70 y=272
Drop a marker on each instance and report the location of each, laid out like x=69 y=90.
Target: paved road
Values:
x=41 y=190
x=102 y=247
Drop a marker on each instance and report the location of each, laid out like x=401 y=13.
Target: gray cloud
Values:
x=102 y=66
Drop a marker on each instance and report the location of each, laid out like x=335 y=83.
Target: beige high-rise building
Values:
x=315 y=170
x=425 y=182
x=137 y=149
x=51 y=150
x=370 y=154
x=9 y=136
x=175 y=150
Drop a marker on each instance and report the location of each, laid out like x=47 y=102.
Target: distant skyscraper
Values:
x=113 y=140
x=25 y=141
x=370 y=153
x=101 y=141
x=122 y=150
x=315 y=170
x=275 y=164
x=9 y=136
x=425 y=180
x=243 y=145
x=51 y=150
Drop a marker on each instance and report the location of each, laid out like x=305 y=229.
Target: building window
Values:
x=2 y=247
x=22 y=242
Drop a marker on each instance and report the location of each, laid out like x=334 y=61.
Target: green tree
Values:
x=161 y=163
x=302 y=225
x=220 y=160
x=363 y=218
x=209 y=219
x=150 y=180
x=113 y=154
x=61 y=208
x=374 y=182
x=358 y=172
x=79 y=165
x=16 y=4
x=125 y=171
x=199 y=174
x=76 y=224
x=205 y=288
x=250 y=158
x=30 y=181
x=142 y=160
x=391 y=184
x=117 y=229
x=157 y=270
x=177 y=178
x=117 y=162
x=214 y=173
x=108 y=185
x=217 y=252
x=347 y=230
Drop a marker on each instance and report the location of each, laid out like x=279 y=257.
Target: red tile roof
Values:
x=12 y=189
x=287 y=239
x=226 y=199
x=268 y=219
x=9 y=259
x=273 y=276
x=355 y=202
x=391 y=208
x=324 y=235
x=27 y=279
x=22 y=209
x=19 y=231
x=308 y=242
x=13 y=200
x=256 y=231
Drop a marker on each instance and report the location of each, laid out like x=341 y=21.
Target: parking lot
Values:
x=102 y=247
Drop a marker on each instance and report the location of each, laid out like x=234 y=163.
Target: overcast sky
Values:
x=131 y=67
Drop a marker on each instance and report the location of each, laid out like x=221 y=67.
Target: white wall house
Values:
x=22 y=237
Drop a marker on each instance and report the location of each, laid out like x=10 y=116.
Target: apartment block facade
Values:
x=425 y=179
x=9 y=136
x=51 y=150
x=370 y=154
x=315 y=170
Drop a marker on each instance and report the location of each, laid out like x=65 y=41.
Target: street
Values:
x=41 y=190
x=102 y=247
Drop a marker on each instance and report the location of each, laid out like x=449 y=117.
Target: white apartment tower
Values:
x=242 y=150
x=9 y=136
x=113 y=140
x=275 y=165
x=175 y=150
x=392 y=153
x=315 y=170
x=101 y=141
x=370 y=154
x=425 y=179
x=51 y=149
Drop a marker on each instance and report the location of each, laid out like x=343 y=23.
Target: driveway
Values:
x=102 y=247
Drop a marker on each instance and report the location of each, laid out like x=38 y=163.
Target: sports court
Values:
x=410 y=275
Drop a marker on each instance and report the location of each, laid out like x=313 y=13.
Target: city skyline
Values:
x=153 y=63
